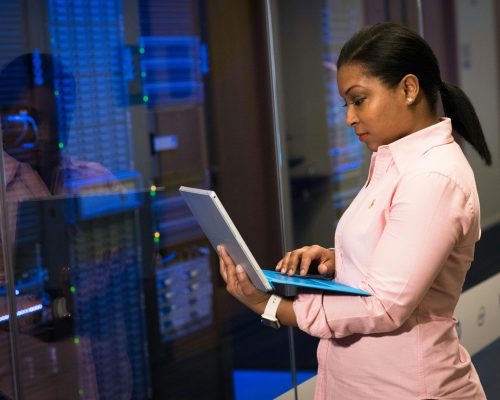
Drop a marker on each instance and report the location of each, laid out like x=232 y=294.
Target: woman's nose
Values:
x=350 y=117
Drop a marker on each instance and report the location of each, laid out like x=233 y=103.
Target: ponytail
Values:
x=464 y=120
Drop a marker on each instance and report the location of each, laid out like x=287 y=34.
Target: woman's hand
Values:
x=239 y=285
x=302 y=259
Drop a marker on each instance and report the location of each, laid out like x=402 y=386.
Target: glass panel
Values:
x=12 y=42
x=325 y=167
x=107 y=107
x=6 y=308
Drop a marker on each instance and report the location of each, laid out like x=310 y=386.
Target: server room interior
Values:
x=116 y=290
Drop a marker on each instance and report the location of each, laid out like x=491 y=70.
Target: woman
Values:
x=407 y=238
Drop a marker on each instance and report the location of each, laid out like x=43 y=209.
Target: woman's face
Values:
x=30 y=128
x=378 y=114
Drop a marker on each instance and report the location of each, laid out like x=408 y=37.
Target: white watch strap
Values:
x=272 y=307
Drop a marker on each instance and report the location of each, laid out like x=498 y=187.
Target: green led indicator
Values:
x=145 y=99
x=56 y=92
x=141 y=50
x=80 y=392
x=61 y=145
x=143 y=74
x=72 y=289
x=76 y=340
x=152 y=193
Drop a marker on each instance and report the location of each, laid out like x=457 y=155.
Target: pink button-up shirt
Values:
x=408 y=238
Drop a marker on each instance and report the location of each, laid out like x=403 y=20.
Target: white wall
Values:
x=478 y=75
x=478 y=314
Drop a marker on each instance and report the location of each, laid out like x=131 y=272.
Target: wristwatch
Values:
x=269 y=316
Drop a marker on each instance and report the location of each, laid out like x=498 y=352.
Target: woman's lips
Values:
x=361 y=136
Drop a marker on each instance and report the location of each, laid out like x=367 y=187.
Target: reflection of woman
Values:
x=36 y=125
x=34 y=131
x=408 y=237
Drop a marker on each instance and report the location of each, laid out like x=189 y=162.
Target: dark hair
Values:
x=390 y=51
x=27 y=71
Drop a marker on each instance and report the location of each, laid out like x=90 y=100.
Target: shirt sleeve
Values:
x=429 y=214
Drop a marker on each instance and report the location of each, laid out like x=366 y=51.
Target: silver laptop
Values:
x=220 y=229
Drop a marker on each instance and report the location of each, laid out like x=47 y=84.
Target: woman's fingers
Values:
x=282 y=265
x=238 y=284
x=292 y=260
x=228 y=270
x=301 y=259
x=305 y=263
x=288 y=264
x=232 y=281
x=245 y=284
x=222 y=269
x=327 y=268
x=225 y=262
x=225 y=256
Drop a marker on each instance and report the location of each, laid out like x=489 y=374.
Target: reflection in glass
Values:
x=117 y=290
x=77 y=260
x=346 y=153
x=81 y=259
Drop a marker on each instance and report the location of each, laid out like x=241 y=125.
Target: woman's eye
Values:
x=359 y=101
x=356 y=102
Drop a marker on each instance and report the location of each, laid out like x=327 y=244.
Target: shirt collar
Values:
x=406 y=150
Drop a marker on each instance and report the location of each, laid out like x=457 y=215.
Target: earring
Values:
x=409 y=100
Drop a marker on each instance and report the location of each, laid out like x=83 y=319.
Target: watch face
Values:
x=273 y=324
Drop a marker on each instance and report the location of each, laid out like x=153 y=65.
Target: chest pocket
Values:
x=366 y=222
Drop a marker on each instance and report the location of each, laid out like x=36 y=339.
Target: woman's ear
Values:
x=411 y=88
